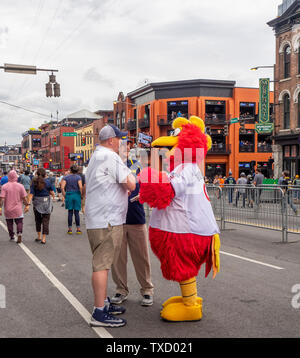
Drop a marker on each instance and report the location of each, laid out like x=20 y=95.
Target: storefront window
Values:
x=213 y=169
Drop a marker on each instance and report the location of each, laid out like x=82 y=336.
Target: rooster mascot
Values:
x=183 y=231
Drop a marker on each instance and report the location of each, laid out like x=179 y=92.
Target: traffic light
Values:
x=49 y=92
x=226 y=130
x=56 y=90
x=54 y=140
x=83 y=141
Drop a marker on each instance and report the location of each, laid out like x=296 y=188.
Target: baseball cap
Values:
x=111 y=131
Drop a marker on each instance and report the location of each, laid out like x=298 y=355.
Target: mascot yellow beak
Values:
x=172 y=141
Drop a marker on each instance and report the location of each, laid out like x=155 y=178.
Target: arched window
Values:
x=286 y=111
x=298 y=124
x=287 y=61
x=118 y=120
x=123 y=120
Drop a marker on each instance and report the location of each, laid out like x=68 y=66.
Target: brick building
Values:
x=236 y=147
x=30 y=146
x=287 y=88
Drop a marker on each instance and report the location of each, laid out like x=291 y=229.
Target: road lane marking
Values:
x=100 y=331
x=250 y=260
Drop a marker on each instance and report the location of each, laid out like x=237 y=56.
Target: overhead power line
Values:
x=26 y=109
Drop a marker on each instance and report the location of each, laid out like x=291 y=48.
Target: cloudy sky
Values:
x=101 y=47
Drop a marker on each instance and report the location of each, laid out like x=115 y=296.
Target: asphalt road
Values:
x=48 y=289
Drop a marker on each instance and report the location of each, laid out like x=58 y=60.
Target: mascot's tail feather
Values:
x=155 y=188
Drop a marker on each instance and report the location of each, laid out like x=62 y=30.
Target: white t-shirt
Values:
x=190 y=211
x=106 y=199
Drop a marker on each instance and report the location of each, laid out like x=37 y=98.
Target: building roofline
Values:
x=180 y=84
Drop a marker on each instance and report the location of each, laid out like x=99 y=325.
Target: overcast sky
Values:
x=101 y=47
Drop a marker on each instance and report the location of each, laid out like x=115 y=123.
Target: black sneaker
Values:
x=114 y=309
x=102 y=318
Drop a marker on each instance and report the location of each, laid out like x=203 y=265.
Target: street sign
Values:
x=69 y=134
x=234 y=120
x=264 y=128
x=36 y=162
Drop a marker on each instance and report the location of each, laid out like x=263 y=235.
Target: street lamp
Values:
x=257 y=67
x=137 y=122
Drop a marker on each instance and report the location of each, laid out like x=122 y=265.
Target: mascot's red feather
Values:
x=183 y=231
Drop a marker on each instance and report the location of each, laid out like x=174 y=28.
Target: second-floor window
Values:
x=286 y=111
x=118 y=120
x=287 y=61
x=123 y=120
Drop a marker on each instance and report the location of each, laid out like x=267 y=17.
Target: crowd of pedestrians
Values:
x=242 y=188
x=40 y=189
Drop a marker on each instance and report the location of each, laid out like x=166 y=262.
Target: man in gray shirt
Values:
x=257 y=181
x=241 y=190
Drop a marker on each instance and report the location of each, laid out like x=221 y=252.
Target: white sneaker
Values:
x=147 y=300
x=118 y=298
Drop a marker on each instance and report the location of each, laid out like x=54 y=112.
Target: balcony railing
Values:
x=167 y=119
x=144 y=123
x=217 y=119
x=247 y=148
x=131 y=125
x=264 y=148
x=220 y=148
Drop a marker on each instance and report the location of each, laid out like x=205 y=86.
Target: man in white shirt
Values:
x=108 y=181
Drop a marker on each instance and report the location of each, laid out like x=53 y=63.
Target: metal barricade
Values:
x=292 y=209
x=215 y=194
x=265 y=206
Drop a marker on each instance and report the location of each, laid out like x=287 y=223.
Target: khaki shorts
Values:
x=105 y=245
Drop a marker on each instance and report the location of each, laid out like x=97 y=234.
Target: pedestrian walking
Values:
x=108 y=181
x=230 y=181
x=4 y=179
x=296 y=184
x=80 y=172
x=241 y=190
x=52 y=181
x=136 y=238
x=40 y=192
x=13 y=195
x=25 y=181
x=257 y=181
x=71 y=187
x=286 y=185
x=250 y=191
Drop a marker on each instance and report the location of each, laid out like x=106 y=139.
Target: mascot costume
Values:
x=183 y=231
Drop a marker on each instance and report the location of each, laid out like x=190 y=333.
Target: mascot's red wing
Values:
x=155 y=188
